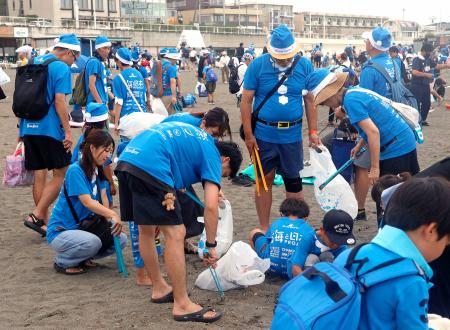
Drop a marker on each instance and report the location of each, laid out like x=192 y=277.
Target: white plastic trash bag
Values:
x=224 y=235
x=136 y=122
x=158 y=106
x=4 y=78
x=240 y=267
x=337 y=194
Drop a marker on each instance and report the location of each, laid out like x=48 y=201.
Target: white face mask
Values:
x=281 y=68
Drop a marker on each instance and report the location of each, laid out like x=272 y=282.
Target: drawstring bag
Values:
x=15 y=174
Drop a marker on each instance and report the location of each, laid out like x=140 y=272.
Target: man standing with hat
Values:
x=170 y=79
x=48 y=141
x=278 y=133
x=128 y=81
x=95 y=72
x=377 y=43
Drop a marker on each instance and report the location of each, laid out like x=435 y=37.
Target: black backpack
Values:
x=233 y=85
x=30 y=93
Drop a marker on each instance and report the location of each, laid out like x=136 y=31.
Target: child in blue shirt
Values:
x=210 y=79
x=283 y=235
x=417 y=228
x=327 y=243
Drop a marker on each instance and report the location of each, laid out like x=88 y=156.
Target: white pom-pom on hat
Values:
x=56 y=40
x=88 y=115
x=379 y=43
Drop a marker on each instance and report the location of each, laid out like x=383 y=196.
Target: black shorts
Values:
x=141 y=200
x=211 y=86
x=397 y=165
x=44 y=152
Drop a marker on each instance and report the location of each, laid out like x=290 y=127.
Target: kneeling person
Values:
x=152 y=168
x=283 y=236
x=330 y=240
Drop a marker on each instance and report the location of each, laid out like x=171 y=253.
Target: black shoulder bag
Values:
x=272 y=91
x=94 y=224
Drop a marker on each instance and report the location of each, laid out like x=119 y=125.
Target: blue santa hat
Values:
x=379 y=38
x=124 y=55
x=102 y=41
x=96 y=112
x=135 y=56
x=282 y=44
x=68 y=41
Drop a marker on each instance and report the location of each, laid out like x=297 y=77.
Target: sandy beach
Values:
x=34 y=296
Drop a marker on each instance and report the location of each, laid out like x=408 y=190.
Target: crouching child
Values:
x=329 y=241
x=283 y=235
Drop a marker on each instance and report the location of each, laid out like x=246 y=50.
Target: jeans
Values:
x=72 y=247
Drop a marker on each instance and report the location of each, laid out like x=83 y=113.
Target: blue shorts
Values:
x=261 y=244
x=286 y=159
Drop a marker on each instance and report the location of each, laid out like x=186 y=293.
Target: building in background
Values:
x=252 y=15
x=148 y=11
x=335 y=26
x=65 y=12
x=403 y=30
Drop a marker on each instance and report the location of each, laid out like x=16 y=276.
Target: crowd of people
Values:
x=156 y=168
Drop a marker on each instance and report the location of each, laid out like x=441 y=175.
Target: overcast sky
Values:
x=419 y=11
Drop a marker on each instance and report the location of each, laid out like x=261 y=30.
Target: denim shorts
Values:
x=286 y=159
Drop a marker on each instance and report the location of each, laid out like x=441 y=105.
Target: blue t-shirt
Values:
x=76 y=153
x=137 y=86
x=184 y=117
x=284 y=105
x=97 y=68
x=371 y=79
x=283 y=237
x=360 y=105
x=58 y=82
x=399 y=303
x=177 y=154
x=312 y=244
x=143 y=71
x=77 y=184
x=169 y=71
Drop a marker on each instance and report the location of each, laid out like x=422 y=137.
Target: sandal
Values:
x=199 y=316
x=168 y=298
x=89 y=264
x=35 y=224
x=65 y=271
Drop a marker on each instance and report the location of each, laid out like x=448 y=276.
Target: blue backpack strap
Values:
x=390 y=270
x=332 y=287
x=381 y=70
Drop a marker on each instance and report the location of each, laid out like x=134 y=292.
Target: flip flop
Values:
x=168 y=298
x=199 y=316
x=35 y=224
x=64 y=271
x=89 y=264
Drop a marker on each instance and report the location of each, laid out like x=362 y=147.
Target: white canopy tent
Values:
x=192 y=38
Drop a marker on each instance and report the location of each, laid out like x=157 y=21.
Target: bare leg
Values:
x=40 y=176
x=264 y=201
x=176 y=269
x=361 y=186
x=50 y=193
x=151 y=263
x=297 y=195
x=142 y=277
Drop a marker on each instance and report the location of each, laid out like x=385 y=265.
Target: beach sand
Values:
x=33 y=296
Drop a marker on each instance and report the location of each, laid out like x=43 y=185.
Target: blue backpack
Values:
x=328 y=296
x=211 y=75
x=400 y=93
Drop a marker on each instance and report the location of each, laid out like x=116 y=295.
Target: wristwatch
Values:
x=211 y=245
